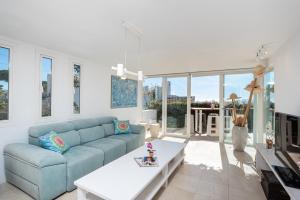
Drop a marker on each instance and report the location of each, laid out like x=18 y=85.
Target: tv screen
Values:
x=287 y=140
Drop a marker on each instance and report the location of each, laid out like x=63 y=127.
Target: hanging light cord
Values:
x=140 y=53
x=125 y=54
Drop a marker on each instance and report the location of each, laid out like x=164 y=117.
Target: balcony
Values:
x=177 y=118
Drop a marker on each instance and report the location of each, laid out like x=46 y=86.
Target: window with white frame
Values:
x=76 y=88
x=4 y=82
x=153 y=100
x=46 y=83
x=269 y=106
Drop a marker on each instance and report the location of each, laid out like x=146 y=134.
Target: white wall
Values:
x=24 y=91
x=286 y=62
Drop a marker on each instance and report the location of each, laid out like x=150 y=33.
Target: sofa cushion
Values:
x=109 y=129
x=72 y=138
x=37 y=131
x=81 y=160
x=105 y=120
x=132 y=140
x=121 y=127
x=112 y=149
x=90 y=134
x=137 y=129
x=53 y=142
x=85 y=123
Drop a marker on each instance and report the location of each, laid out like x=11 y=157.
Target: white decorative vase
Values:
x=239 y=138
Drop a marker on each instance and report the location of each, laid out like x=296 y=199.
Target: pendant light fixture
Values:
x=121 y=69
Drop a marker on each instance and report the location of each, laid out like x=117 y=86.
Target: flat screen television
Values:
x=287 y=140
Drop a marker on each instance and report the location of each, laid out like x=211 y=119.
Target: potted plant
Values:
x=240 y=129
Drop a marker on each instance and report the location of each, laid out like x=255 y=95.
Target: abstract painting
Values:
x=123 y=92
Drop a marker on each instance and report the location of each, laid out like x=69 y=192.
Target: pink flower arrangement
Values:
x=149 y=145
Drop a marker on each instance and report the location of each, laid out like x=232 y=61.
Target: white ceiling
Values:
x=179 y=35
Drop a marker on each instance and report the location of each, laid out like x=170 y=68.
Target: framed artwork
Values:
x=123 y=92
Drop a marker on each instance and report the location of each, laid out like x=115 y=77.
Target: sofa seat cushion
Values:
x=132 y=140
x=112 y=149
x=81 y=160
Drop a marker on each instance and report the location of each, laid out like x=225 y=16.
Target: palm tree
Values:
x=77 y=76
x=2 y=103
x=4 y=75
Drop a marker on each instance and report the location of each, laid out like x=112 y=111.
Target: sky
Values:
x=46 y=67
x=206 y=88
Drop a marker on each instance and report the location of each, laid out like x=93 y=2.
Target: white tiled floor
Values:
x=211 y=171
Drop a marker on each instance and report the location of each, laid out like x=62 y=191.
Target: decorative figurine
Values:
x=269 y=135
x=269 y=143
x=150 y=158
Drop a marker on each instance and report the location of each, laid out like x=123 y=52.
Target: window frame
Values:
x=221 y=73
x=40 y=87
x=9 y=46
x=80 y=78
x=264 y=113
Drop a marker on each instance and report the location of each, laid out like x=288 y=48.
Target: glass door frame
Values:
x=165 y=103
x=221 y=94
x=258 y=112
x=258 y=121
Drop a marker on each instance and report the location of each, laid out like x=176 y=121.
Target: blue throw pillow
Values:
x=53 y=142
x=121 y=127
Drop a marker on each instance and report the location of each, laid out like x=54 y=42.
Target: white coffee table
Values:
x=125 y=179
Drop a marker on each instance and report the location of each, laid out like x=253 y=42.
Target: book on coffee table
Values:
x=145 y=162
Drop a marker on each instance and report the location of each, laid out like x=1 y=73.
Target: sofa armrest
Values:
x=140 y=131
x=33 y=155
x=137 y=129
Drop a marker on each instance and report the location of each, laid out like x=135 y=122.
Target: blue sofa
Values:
x=45 y=174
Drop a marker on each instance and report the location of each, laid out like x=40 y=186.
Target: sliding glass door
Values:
x=205 y=106
x=152 y=102
x=189 y=104
x=176 y=116
x=236 y=83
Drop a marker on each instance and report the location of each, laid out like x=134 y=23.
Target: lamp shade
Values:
x=120 y=70
x=140 y=75
x=124 y=75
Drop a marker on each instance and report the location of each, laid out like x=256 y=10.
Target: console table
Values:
x=265 y=158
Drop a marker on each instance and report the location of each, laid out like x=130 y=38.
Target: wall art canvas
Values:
x=123 y=92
